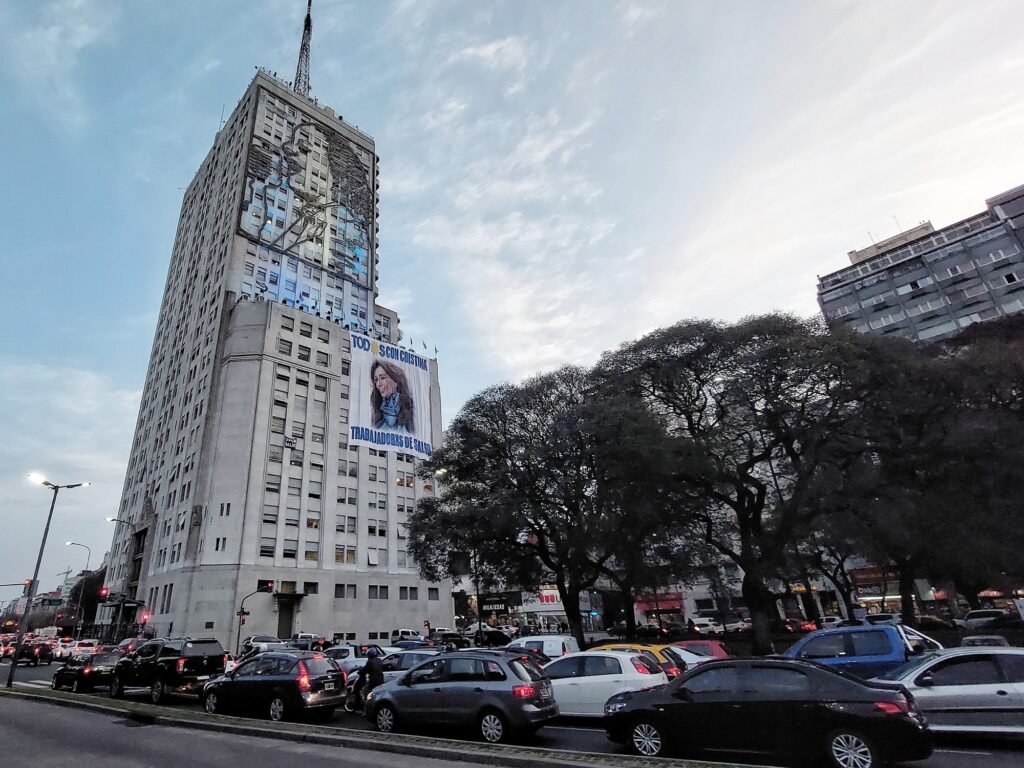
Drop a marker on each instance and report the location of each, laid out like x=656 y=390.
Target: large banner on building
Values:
x=389 y=397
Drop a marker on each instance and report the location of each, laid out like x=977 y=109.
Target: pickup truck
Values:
x=167 y=666
x=864 y=651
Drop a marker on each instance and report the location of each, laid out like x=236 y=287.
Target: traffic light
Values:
x=145 y=617
x=28 y=586
x=265 y=585
x=104 y=594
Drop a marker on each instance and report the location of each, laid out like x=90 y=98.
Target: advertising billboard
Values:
x=389 y=397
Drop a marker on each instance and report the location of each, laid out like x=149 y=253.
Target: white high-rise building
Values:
x=242 y=469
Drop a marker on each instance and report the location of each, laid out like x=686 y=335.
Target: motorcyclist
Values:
x=369 y=676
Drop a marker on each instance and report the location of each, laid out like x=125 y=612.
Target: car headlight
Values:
x=615 y=706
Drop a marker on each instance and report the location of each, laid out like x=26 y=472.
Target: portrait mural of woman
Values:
x=392 y=403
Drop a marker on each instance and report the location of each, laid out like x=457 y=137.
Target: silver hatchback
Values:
x=967 y=690
x=498 y=696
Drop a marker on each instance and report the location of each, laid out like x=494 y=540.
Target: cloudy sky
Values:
x=557 y=177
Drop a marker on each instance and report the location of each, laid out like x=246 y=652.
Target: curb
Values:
x=404 y=744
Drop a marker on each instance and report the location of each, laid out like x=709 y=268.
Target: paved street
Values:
x=575 y=736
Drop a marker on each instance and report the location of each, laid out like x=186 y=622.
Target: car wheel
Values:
x=210 y=703
x=116 y=688
x=76 y=687
x=276 y=710
x=157 y=691
x=386 y=720
x=54 y=684
x=645 y=739
x=493 y=727
x=850 y=749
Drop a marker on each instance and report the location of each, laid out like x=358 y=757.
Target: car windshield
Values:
x=104 y=658
x=910 y=666
x=201 y=648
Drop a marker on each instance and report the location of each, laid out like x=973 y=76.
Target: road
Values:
x=575 y=736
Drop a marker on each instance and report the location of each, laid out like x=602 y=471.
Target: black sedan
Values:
x=35 y=654
x=84 y=672
x=278 y=685
x=783 y=709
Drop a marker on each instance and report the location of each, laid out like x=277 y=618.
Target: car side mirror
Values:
x=926 y=681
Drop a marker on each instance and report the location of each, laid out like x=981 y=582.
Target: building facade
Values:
x=926 y=284
x=241 y=469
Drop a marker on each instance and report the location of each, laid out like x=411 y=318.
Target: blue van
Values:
x=864 y=651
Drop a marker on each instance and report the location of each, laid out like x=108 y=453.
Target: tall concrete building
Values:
x=243 y=468
x=927 y=284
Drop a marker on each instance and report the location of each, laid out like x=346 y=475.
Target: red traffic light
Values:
x=104 y=593
x=145 y=617
x=265 y=585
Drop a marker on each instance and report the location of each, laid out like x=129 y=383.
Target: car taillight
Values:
x=36 y=651
x=640 y=667
x=87 y=670
x=180 y=666
x=672 y=671
x=303 y=679
x=893 y=707
x=524 y=691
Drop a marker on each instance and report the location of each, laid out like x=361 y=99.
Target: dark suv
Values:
x=165 y=666
x=498 y=694
x=35 y=653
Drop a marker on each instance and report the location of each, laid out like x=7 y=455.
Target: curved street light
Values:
x=88 y=551
x=38 y=479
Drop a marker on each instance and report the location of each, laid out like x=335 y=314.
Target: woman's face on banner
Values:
x=384 y=383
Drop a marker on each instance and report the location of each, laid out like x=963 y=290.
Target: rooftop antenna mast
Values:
x=302 y=70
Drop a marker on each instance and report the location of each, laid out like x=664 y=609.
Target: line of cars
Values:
x=807 y=704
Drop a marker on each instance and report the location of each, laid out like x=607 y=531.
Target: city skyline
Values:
x=527 y=177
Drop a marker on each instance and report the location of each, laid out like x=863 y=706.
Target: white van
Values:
x=550 y=645
x=405 y=634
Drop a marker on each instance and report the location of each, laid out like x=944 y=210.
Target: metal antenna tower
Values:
x=302 y=70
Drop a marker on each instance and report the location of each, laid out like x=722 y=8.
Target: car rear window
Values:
x=524 y=670
x=104 y=658
x=320 y=665
x=653 y=667
x=202 y=648
x=700 y=650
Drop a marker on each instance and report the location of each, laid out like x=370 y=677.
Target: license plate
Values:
x=203 y=677
x=328 y=686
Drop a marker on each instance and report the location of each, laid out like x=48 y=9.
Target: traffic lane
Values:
x=85 y=739
x=580 y=735
x=27 y=672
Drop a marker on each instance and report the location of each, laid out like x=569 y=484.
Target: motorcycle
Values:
x=355 y=696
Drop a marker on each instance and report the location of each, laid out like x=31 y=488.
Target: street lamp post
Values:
x=81 y=611
x=135 y=530
x=23 y=624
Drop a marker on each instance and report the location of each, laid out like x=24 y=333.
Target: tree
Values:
x=544 y=481
x=762 y=406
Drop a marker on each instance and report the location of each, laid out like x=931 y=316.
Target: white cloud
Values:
x=508 y=55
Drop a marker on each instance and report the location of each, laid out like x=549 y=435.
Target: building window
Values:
x=311 y=587
x=284 y=347
x=291 y=548
x=274 y=483
x=322 y=358
x=294 y=486
x=304 y=353
x=270 y=514
x=345 y=591
x=277 y=425
x=323 y=334
x=287 y=323
x=433 y=593
x=345 y=554
x=306 y=330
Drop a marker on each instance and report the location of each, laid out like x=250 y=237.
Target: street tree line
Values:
x=773 y=444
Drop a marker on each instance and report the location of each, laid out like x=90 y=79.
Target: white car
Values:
x=976 y=618
x=405 y=634
x=707 y=626
x=63 y=649
x=583 y=682
x=883 y=618
x=829 y=622
x=83 y=646
x=967 y=690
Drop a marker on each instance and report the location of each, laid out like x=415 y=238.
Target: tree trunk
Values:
x=905 y=568
x=570 y=594
x=760 y=602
